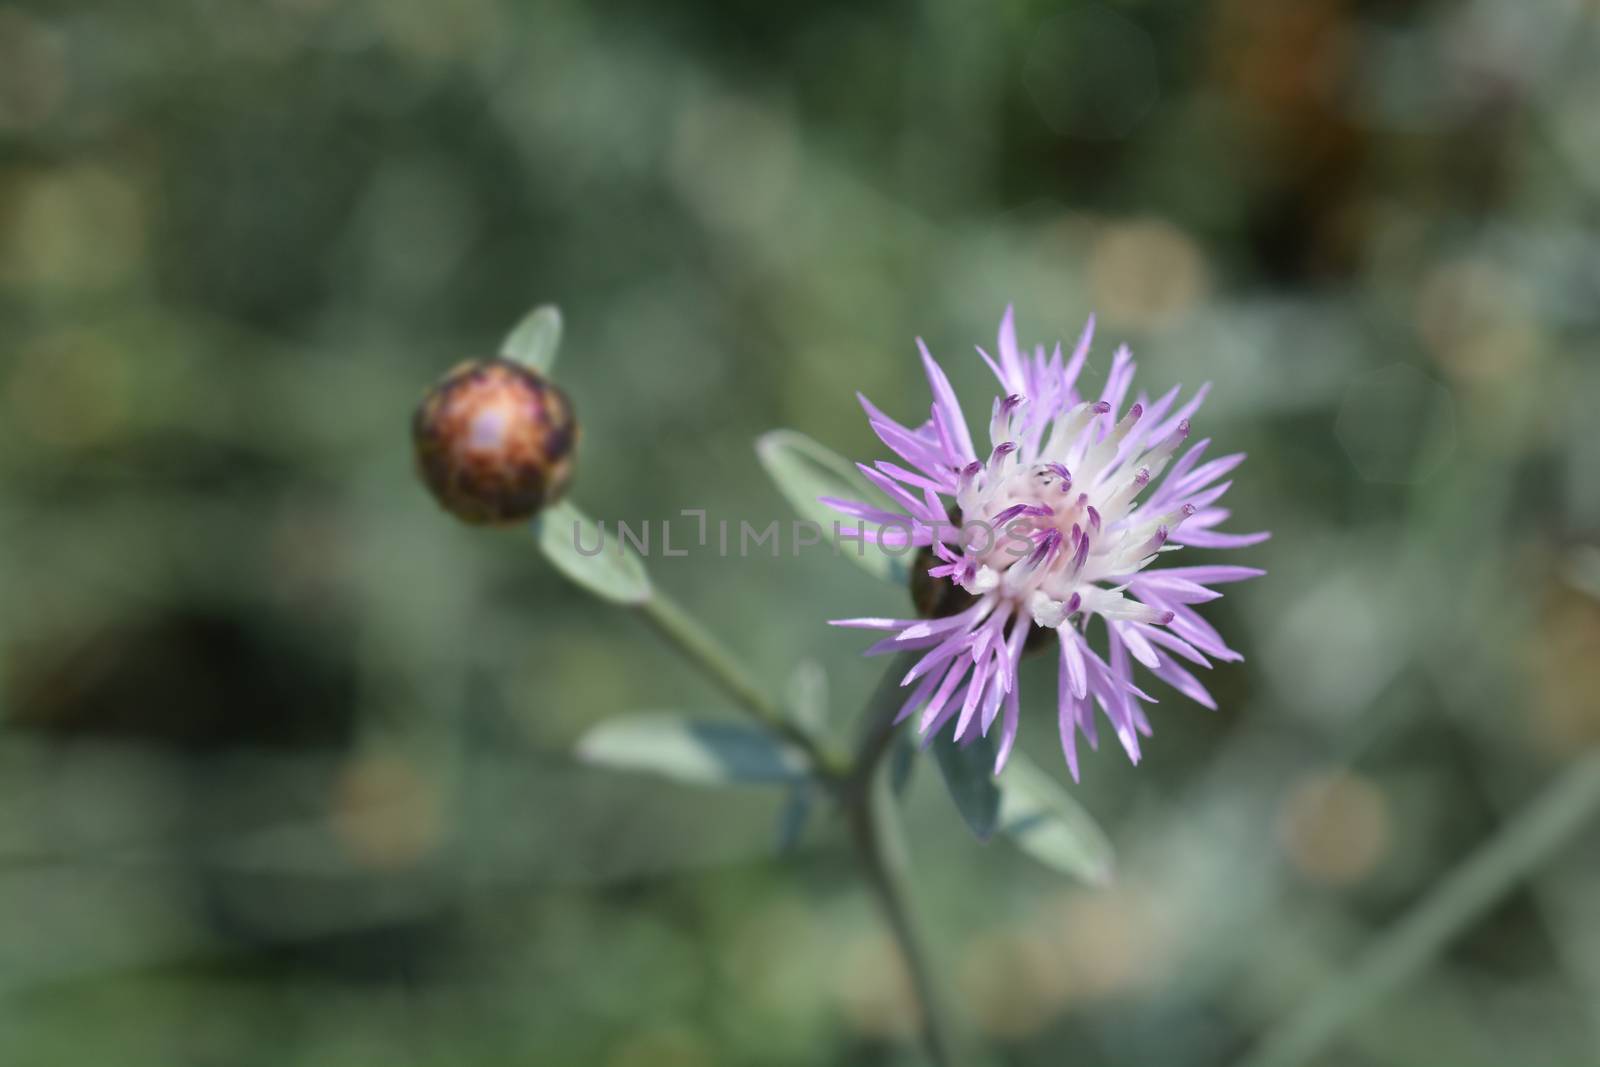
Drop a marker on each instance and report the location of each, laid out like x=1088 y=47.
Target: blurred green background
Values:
x=283 y=778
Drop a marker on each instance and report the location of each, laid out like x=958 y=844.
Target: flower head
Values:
x=1056 y=522
x=494 y=441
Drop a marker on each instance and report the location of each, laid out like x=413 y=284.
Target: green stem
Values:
x=869 y=807
x=870 y=826
x=702 y=647
x=1466 y=893
x=859 y=786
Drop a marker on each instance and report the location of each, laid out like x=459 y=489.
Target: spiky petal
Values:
x=1060 y=521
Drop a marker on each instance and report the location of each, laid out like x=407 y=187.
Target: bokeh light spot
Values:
x=1335 y=827
x=1145 y=273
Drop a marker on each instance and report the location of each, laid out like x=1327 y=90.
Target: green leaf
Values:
x=536 y=339
x=1047 y=823
x=584 y=551
x=902 y=758
x=697 y=751
x=804 y=470
x=968 y=772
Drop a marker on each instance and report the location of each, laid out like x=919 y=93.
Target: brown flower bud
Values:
x=494 y=441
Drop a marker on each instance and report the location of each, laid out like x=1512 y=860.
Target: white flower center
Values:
x=1054 y=511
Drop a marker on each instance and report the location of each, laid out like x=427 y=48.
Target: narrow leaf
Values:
x=1047 y=823
x=968 y=772
x=902 y=758
x=697 y=751
x=536 y=339
x=590 y=555
x=803 y=471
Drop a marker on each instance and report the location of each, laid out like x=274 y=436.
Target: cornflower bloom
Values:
x=1056 y=524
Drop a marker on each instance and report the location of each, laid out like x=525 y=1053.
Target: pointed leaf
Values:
x=803 y=471
x=968 y=772
x=535 y=340
x=592 y=556
x=1045 y=821
x=902 y=758
x=696 y=751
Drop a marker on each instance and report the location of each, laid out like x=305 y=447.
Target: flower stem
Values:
x=869 y=807
x=1563 y=810
x=862 y=791
x=705 y=651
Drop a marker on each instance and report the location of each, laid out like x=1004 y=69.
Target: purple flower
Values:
x=1059 y=519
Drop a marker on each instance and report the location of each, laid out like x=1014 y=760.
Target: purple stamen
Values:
x=1081 y=557
x=1154 y=542
x=1047 y=545
x=1007 y=514
x=966 y=677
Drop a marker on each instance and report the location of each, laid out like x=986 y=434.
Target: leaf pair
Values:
x=1027 y=805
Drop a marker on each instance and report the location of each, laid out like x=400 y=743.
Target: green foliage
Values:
x=536 y=340
x=238 y=240
x=805 y=471
x=968 y=774
x=591 y=555
x=1026 y=805
x=1046 y=822
x=707 y=752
